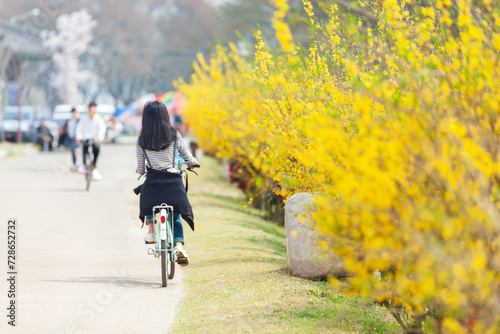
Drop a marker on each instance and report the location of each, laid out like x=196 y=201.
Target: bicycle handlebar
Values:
x=189 y=168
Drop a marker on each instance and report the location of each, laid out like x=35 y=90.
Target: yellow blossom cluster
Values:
x=395 y=124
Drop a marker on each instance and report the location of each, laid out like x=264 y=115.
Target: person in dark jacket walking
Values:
x=45 y=138
x=159 y=145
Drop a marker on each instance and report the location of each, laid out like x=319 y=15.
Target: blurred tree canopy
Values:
x=138 y=46
x=245 y=16
x=142 y=46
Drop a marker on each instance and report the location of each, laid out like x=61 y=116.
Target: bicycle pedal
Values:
x=149 y=242
x=182 y=260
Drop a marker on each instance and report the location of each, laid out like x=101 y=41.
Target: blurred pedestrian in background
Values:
x=45 y=138
x=69 y=131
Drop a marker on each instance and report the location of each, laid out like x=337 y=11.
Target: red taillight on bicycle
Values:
x=163 y=216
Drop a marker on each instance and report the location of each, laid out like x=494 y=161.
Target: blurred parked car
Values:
x=10 y=123
x=114 y=128
x=62 y=113
x=129 y=130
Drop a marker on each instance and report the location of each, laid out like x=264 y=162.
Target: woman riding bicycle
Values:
x=159 y=146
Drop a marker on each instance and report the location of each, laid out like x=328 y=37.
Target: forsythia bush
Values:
x=395 y=124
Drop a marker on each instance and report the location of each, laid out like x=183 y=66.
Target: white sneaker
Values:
x=96 y=175
x=81 y=169
x=182 y=257
x=149 y=238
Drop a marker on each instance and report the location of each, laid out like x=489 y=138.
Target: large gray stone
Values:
x=304 y=257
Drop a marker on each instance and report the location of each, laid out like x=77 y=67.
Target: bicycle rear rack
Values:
x=162 y=206
x=170 y=210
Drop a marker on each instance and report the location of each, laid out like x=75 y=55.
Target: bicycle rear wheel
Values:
x=163 y=259
x=171 y=254
x=171 y=265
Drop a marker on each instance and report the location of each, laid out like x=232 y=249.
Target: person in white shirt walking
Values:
x=92 y=128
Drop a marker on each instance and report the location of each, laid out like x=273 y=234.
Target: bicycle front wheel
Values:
x=88 y=172
x=89 y=178
x=163 y=258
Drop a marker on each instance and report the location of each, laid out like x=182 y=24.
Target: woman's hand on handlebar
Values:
x=191 y=167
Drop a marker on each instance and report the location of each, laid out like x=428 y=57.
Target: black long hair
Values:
x=157 y=132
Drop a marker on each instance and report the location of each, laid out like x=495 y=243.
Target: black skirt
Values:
x=160 y=187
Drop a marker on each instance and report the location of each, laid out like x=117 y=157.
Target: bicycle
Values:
x=164 y=237
x=164 y=241
x=89 y=165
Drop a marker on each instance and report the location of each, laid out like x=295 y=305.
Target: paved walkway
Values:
x=81 y=261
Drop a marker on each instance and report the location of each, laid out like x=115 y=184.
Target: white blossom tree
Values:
x=68 y=43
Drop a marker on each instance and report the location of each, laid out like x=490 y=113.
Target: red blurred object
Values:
x=471 y=323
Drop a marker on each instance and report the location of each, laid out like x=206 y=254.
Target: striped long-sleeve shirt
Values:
x=163 y=159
